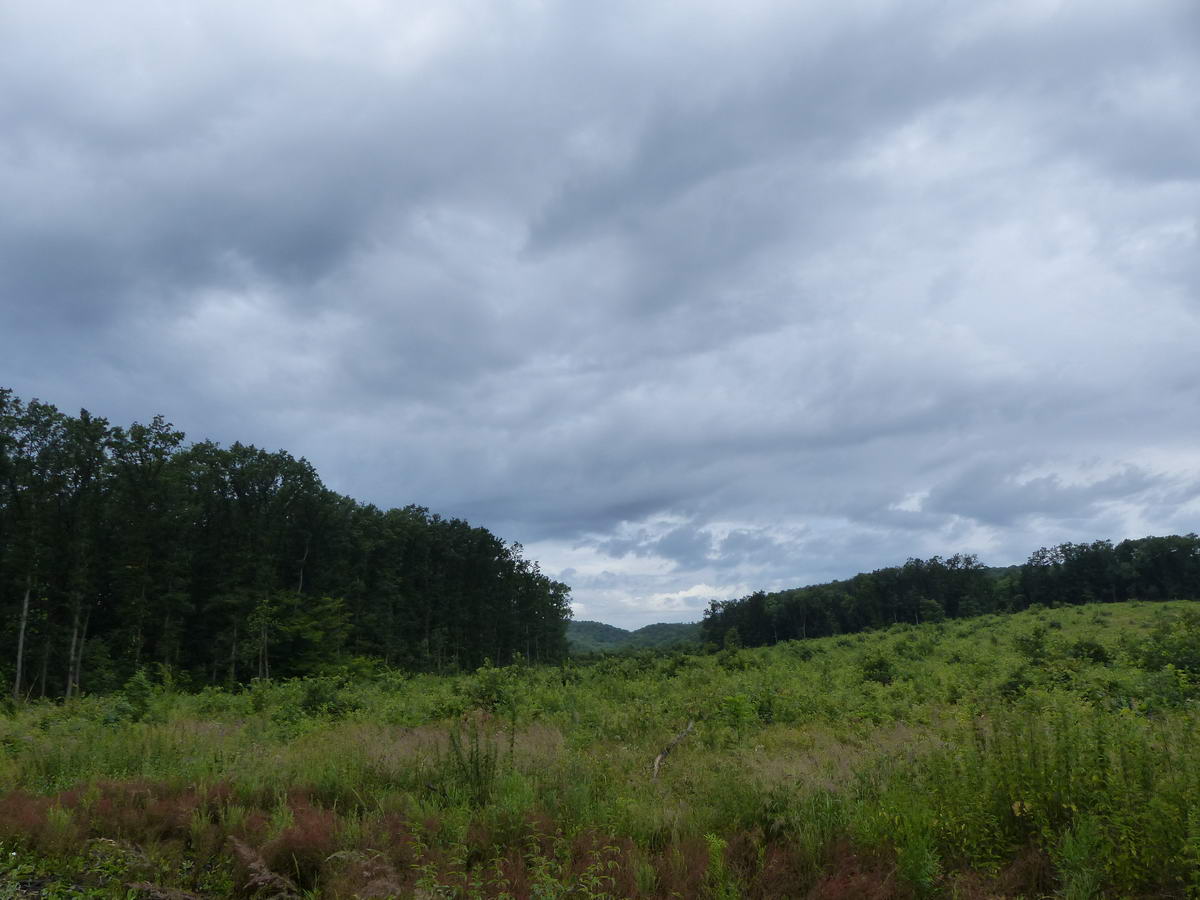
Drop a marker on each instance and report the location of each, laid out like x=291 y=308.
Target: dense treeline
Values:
x=124 y=547
x=1151 y=568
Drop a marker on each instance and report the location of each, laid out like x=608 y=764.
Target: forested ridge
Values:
x=930 y=590
x=597 y=637
x=125 y=547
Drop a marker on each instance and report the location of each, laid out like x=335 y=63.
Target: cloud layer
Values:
x=689 y=301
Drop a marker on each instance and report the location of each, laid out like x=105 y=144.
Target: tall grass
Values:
x=1053 y=751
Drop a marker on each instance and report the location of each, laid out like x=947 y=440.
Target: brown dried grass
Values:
x=826 y=761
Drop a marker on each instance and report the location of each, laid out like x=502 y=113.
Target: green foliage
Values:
x=470 y=766
x=492 y=688
x=801 y=774
x=878 y=668
x=918 y=862
x=1174 y=642
x=1079 y=859
x=733 y=719
x=720 y=885
x=123 y=548
x=138 y=694
x=326 y=696
x=1032 y=644
x=1089 y=650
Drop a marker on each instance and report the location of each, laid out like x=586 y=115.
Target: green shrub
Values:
x=138 y=694
x=736 y=712
x=491 y=688
x=1090 y=650
x=1032 y=644
x=878 y=668
x=1015 y=683
x=1174 y=642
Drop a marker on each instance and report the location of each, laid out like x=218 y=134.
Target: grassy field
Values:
x=1049 y=753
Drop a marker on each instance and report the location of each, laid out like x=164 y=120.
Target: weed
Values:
x=1079 y=859
x=470 y=765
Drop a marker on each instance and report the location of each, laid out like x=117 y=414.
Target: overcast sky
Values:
x=691 y=299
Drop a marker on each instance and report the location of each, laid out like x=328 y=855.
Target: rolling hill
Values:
x=596 y=637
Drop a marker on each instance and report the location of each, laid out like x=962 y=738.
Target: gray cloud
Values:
x=988 y=494
x=690 y=302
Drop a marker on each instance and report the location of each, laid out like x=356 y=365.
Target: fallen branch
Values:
x=658 y=760
x=262 y=882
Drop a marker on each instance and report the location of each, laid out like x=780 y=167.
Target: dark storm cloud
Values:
x=693 y=301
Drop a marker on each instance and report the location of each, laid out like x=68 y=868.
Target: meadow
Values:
x=1047 y=753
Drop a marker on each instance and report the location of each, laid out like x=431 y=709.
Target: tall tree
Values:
x=121 y=546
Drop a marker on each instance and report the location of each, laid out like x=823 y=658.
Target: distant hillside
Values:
x=584 y=637
x=960 y=586
x=596 y=637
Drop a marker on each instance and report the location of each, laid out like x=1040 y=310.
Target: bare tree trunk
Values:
x=21 y=637
x=164 y=642
x=140 y=632
x=44 y=678
x=264 y=661
x=303 y=560
x=233 y=656
x=79 y=654
x=71 y=652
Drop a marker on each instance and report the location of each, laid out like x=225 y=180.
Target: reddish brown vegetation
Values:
x=681 y=869
x=1031 y=874
x=300 y=850
x=851 y=874
x=769 y=868
x=367 y=877
x=23 y=816
x=392 y=852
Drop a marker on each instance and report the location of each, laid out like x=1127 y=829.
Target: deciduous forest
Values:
x=122 y=547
